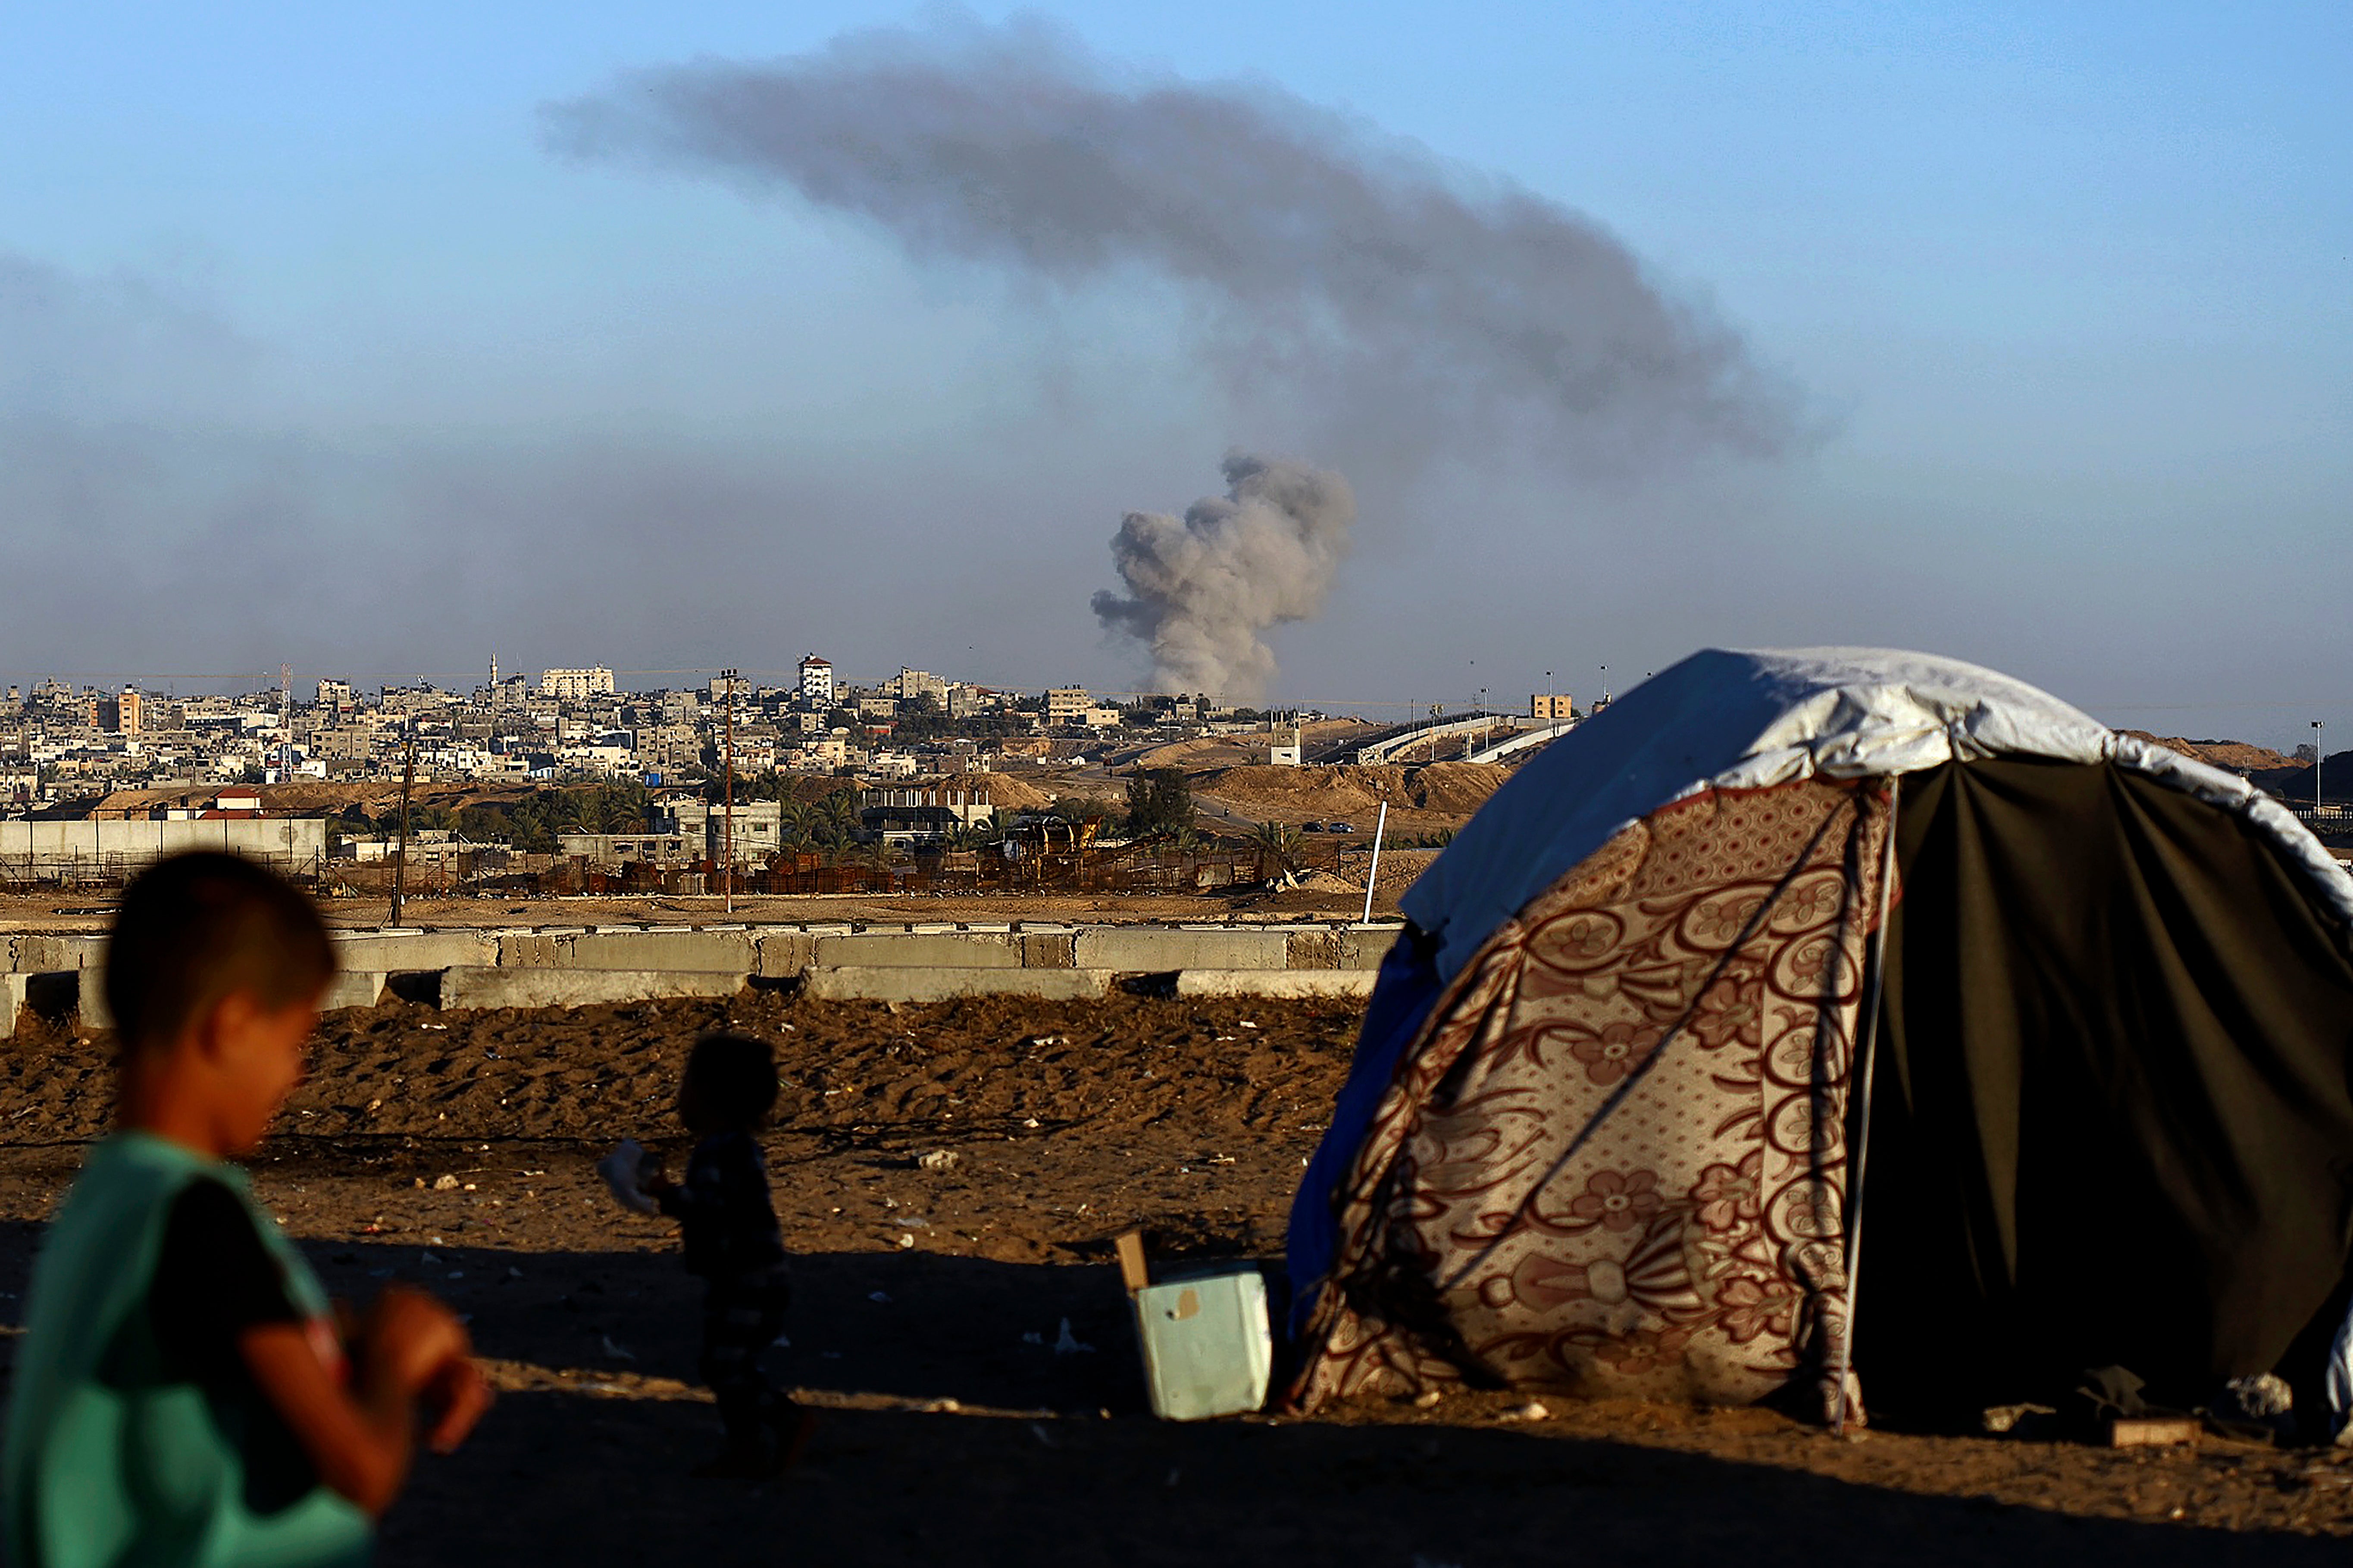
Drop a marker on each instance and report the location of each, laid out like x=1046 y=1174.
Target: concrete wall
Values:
x=50 y=848
x=63 y=973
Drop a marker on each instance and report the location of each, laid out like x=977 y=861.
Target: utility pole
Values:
x=400 y=849
x=2319 y=754
x=727 y=789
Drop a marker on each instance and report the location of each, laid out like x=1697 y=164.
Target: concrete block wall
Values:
x=1142 y=950
x=393 y=952
x=562 y=967
x=920 y=950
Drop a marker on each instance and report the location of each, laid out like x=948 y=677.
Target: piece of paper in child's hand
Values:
x=622 y=1170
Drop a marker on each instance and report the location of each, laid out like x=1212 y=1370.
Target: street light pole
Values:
x=727 y=794
x=2319 y=755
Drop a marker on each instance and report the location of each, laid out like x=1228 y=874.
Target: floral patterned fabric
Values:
x=1505 y=1222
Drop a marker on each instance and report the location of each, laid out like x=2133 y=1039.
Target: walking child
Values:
x=728 y=1231
x=182 y=1393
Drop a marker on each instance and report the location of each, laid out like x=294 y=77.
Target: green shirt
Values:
x=109 y=1459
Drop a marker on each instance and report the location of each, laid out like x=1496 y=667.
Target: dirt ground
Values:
x=89 y=911
x=453 y=1151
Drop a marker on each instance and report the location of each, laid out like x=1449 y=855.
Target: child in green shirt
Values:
x=182 y=1392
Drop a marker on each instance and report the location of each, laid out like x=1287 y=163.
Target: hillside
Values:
x=2236 y=755
x=1422 y=799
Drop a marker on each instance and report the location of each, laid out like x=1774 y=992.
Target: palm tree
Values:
x=840 y=810
x=797 y=824
x=977 y=835
x=1281 y=841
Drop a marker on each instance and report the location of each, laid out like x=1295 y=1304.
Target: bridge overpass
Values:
x=1382 y=748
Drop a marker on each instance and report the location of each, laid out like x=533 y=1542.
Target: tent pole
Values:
x=1877 y=962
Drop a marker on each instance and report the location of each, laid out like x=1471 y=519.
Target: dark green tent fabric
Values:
x=2113 y=1121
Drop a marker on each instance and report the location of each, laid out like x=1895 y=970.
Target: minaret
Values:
x=494 y=670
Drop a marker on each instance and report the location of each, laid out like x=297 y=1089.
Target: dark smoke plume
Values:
x=1390 y=298
x=1201 y=588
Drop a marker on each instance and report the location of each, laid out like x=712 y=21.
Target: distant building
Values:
x=612 y=851
x=921 y=814
x=911 y=684
x=576 y=685
x=817 y=682
x=1282 y=751
x=757 y=825
x=1066 y=704
x=1551 y=707
x=119 y=713
x=964 y=702
x=1100 y=718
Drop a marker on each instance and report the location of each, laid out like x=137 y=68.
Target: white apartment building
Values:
x=576 y=685
x=817 y=682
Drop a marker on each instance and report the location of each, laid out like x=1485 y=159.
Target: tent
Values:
x=1780 y=939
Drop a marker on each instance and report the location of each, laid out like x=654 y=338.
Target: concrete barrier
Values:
x=475 y=988
x=1049 y=950
x=1293 y=984
x=383 y=952
x=90 y=1003
x=901 y=982
x=576 y=967
x=12 y=1002
x=1145 y=951
x=1311 y=950
x=711 y=952
x=1366 y=946
x=352 y=988
x=41 y=952
x=784 y=953
x=533 y=950
x=917 y=950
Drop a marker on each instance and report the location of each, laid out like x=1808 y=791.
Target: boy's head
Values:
x=730 y=1084
x=217 y=959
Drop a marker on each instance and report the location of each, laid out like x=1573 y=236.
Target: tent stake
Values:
x=1877 y=963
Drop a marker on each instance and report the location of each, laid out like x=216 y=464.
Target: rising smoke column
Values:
x=1202 y=587
x=1339 y=272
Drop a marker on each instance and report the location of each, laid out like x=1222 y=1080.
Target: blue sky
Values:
x=353 y=373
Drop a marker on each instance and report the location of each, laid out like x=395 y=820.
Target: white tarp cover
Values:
x=1742 y=719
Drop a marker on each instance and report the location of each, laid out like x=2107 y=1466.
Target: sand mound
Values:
x=2236 y=755
x=1449 y=790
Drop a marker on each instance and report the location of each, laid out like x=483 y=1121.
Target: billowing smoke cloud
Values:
x=1392 y=298
x=1201 y=588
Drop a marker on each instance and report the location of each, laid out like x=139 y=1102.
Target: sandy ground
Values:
x=929 y=1302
